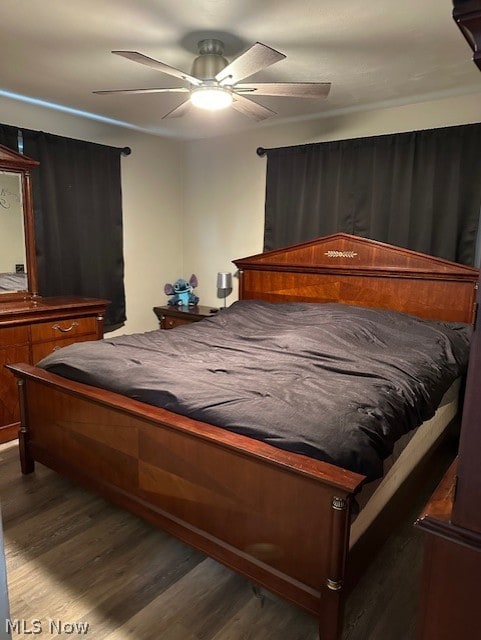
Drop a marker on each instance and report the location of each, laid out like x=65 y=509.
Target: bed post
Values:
x=27 y=463
x=332 y=593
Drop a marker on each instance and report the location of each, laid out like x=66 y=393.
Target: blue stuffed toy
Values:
x=182 y=292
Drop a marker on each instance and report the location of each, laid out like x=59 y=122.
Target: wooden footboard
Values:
x=280 y=519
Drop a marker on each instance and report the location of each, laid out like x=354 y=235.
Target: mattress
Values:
x=334 y=382
x=407 y=454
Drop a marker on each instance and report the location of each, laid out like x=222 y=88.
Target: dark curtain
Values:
x=78 y=219
x=9 y=136
x=420 y=190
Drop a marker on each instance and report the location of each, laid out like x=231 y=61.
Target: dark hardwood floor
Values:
x=73 y=558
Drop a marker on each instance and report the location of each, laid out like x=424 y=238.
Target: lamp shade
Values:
x=224 y=280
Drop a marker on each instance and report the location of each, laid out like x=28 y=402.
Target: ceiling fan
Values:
x=214 y=82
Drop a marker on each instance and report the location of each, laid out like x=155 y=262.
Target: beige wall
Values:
x=152 y=179
x=225 y=179
x=192 y=207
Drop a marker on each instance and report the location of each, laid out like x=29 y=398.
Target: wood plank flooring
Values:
x=74 y=559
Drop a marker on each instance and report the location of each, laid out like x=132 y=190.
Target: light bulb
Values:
x=211 y=98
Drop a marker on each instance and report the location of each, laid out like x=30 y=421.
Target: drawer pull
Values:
x=67 y=329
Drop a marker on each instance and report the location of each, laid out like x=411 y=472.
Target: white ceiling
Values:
x=381 y=53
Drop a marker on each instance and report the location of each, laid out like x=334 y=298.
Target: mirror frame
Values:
x=15 y=162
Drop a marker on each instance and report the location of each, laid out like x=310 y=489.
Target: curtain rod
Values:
x=126 y=151
x=261 y=151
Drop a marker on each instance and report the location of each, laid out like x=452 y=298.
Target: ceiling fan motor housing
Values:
x=210 y=59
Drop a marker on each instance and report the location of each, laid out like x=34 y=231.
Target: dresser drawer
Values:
x=172 y=323
x=172 y=317
x=60 y=329
x=10 y=336
x=43 y=349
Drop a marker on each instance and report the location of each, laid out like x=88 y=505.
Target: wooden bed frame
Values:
x=280 y=519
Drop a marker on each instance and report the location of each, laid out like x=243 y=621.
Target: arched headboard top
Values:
x=354 y=270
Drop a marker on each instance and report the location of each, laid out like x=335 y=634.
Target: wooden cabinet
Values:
x=467 y=15
x=30 y=330
x=451 y=584
x=172 y=317
x=451 y=589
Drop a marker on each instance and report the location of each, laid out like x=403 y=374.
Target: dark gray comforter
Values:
x=330 y=381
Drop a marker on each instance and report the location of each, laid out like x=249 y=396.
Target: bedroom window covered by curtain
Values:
x=420 y=190
x=9 y=136
x=78 y=219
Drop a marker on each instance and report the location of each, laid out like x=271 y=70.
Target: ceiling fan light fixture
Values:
x=214 y=82
x=211 y=98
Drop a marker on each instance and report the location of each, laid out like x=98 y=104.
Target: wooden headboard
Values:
x=359 y=271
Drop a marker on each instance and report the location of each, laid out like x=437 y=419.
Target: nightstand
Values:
x=172 y=317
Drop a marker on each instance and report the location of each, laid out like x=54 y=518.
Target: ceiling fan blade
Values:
x=159 y=66
x=181 y=110
x=251 y=109
x=257 y=57
x=158 y=90
x=287 y=89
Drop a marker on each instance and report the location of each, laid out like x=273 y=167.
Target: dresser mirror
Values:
x=18 y=267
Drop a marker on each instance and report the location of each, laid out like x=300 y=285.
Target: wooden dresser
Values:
x=30 y=330
x=31 y=326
